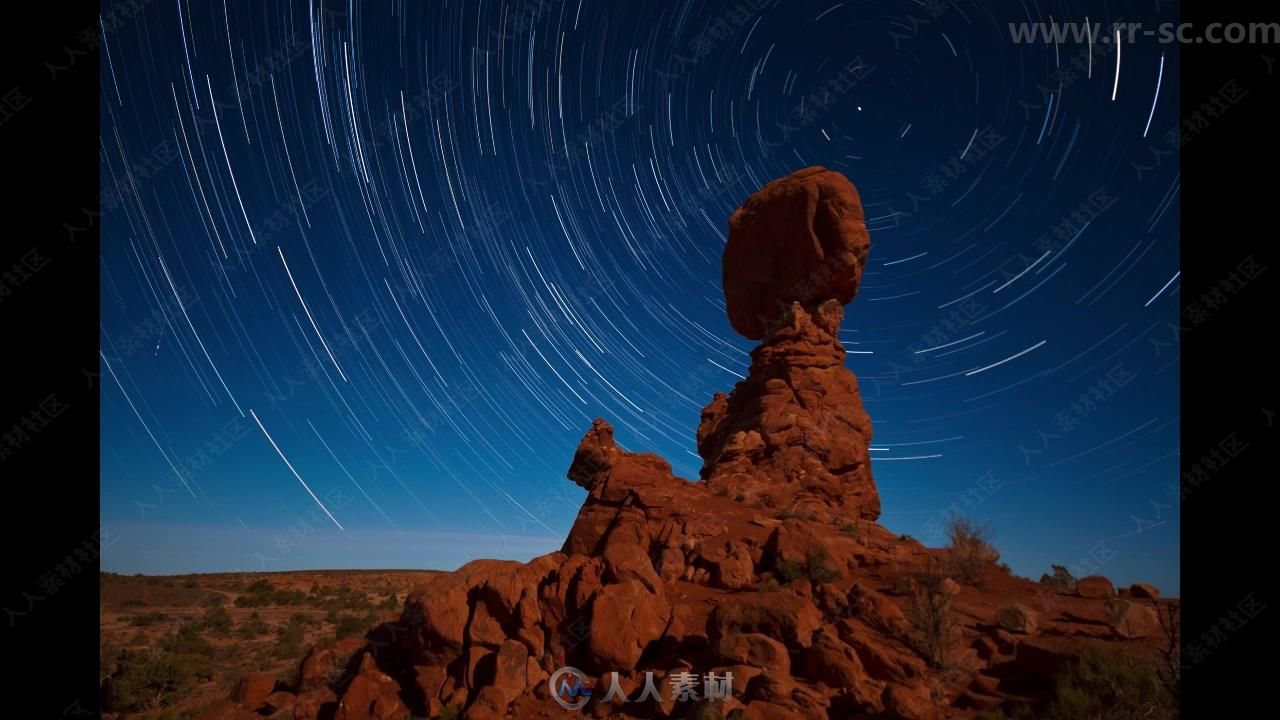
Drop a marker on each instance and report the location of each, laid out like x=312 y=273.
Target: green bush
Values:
x=252 y=627
x=450 y=712
x=816 y=569
x=216 y=620
x=351 y=625
x=260 y=586
x=1109 y=686
x=187 y=640
x=147 y=619
x=1101 y=686
x=151 y=680
x=289 y=639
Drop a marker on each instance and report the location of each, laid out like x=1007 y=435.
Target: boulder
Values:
x=1144 y=591
x=1131 y=620
x=625 y=618
x=1094 y=586
x=1018 y=618
x=371 y=695
x=802 y=238
x=253 y=689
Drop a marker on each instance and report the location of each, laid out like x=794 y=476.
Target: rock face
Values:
x=771 y=567
x=802 y=238
x=794 y=434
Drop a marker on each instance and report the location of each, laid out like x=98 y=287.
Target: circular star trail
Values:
x=370 y=269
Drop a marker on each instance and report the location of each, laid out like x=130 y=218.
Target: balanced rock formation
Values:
x=794 y=434
x=770 y=569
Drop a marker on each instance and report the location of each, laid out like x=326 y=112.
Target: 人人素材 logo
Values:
x=568 y=687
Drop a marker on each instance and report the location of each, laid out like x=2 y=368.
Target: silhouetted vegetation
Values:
x=152 y=678
x=970 y=549
x=1061 y=578
x=929 y=613
x=1102 y=686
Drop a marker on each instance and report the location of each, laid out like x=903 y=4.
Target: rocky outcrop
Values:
x=770 y=567
x=794 y=434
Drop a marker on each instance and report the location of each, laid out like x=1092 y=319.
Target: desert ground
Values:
x=197 y=635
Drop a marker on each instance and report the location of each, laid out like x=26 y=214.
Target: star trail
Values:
x=370 y=269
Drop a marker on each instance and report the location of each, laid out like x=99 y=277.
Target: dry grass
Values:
x=970 y=550
x=929 y=613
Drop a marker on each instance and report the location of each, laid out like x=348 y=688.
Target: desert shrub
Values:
x=740 y=497
x=816 y=569
x=187 y=640
x=147 y=619
x=970 y=549
x=1170 y=669
x=1109 y=686
x=1061 y=578
x=906 y=538
x=252 y=627
x=794 y=515
x=351 y=625
x=133 y=603
x=768 y=585
x=722 y=491
x=260 y=586
x=929 y=614
x=450 y=712
x=151 y=680
x=846 y=527
x=336 y=674
x=190 y=583
x=289 y=597
x=289 y=638
x=216 y=620
x=391 y=603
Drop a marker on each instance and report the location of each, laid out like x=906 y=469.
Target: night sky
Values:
x=370 y=270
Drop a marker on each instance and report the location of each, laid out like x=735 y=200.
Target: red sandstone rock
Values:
x=1130 y=620
x=278 y=702
x=802 y=238
x=625 y=618
x=659 y=573
x=226 y=710
x=1018 y=618
x=315 y=704
x=371 y=695
x=326 y=662
x=1144 y=591
x=253 y=689
x=1094 y=586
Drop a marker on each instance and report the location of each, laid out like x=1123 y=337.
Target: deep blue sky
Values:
x=419 y=246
